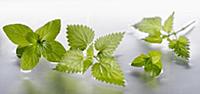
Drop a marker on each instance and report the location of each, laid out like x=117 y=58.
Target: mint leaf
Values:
x=79 y=36
x=20 y=50
x=139 y=61
x=106 y=45
x=151 y=62
x=30 y=58
x=32 y=37
x=109 y=71
x=50 y=30
x=168 y=24
x=16 y=33
x=180 y=47
x=71 y=62
x=52 y=50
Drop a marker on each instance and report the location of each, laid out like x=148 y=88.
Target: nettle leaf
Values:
x=168 y=24
x=17 y=33
x=151 y=62
x=50 y=30
x=30 y=57
x=180 y=47
x=152 y=26
x=153 y=39
x=89 y=58
x=106 y=45
x=79 y=36
x=72 y=62
x=109 y=71
x=52 y=50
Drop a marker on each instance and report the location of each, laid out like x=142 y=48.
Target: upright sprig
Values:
x=33 y=45
x=105 y=68
x=156 y=34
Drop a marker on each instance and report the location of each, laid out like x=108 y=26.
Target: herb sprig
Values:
x=33 y=45
x=105 y=68
x=153 y=27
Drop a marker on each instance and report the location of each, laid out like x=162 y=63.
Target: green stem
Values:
x=185 y=27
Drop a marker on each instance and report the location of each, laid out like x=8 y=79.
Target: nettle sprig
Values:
x=33 y=45
x=156 y=34
x=81 y=55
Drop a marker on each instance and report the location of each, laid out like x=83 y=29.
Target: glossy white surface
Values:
x=104 y=17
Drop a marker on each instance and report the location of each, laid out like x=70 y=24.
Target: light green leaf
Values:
x=139 y=61
x=20 y=50
x=151 y=62
x=106 y=45
x=89 y=59
x=168 y=24
x=153 y=69
x=32 y=37
x=16 y=33
x=79 y=36
x=50 y=30
x=30 y=58
x=153 y=39
x=72 y=62
x=151 y=25
x=52 y=50
x=109 y=71
x=180 y=47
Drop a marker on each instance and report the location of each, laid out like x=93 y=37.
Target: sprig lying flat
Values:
x=153 y=26
x=151 y=62
x=33 y=45
x=80 y=39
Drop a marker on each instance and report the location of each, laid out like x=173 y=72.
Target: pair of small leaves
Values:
x=153 y=27
x=33 y=45
x=80 y=39
x=151 y=62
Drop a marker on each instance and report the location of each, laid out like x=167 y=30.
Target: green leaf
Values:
x=168 y=24
x=151 y=25
x=30 y=58
x=106 y=45
x=72 y=62
x=16 y=33
x=109 y=71
x=20 y=50
x=50 y=30
x=79 y=36
x=139 y=61
x=32 y=37
x=89 y=59
x=52 y=50
x=151 y=62
x=180 y=47
x=153 y=39
x=153 y=69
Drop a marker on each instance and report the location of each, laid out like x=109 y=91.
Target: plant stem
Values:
x=185 y=27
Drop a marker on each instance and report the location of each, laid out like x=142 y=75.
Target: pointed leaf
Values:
x=109 y=71
x=106 y=45
x=16 y=33
x=50 y=30
x=79 y=36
